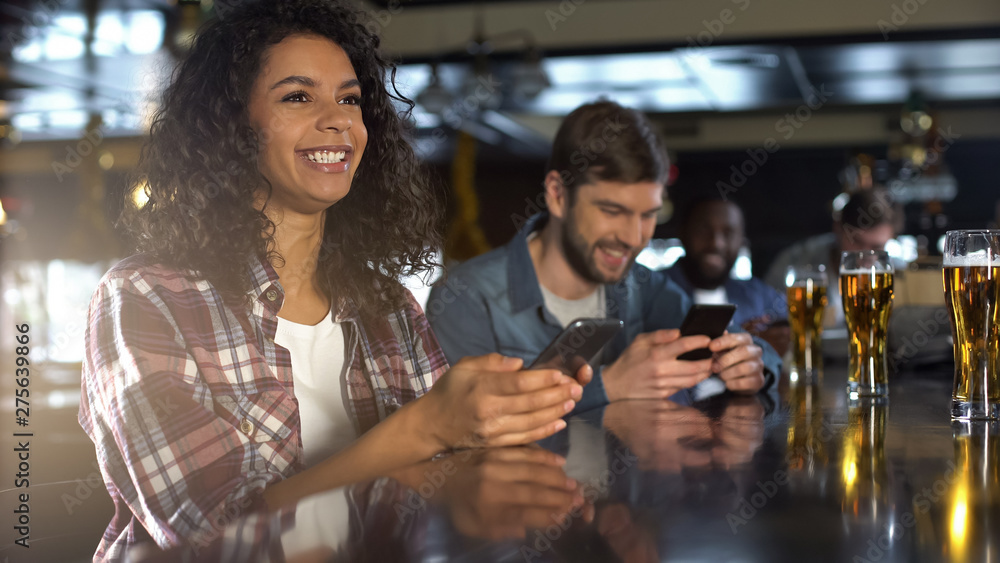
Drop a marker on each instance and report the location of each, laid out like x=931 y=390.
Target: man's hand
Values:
x=499 y=493
x=489 y=401
x=739 y=432
x=665 y=436
x=626 y=535
x=778 y=336
x=649 y=368
x=738 y=362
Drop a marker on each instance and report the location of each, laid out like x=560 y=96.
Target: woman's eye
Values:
x=295 y=97
x=352 y=100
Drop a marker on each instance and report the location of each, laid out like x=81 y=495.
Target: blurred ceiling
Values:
x=51 y=84
x=387 y=4
x=748 y=77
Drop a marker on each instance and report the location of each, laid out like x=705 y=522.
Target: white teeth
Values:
x=326 y=157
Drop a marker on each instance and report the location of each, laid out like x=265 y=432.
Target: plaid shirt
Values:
x=190 y=402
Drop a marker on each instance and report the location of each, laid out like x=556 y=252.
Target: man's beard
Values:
x=580 y=255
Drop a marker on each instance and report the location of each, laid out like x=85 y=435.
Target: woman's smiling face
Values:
x=306 y=109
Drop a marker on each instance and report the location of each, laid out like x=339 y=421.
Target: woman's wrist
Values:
x=423 y=420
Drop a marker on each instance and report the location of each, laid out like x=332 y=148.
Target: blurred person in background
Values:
x=259 y=347
x=712 y=231
x=866 y=222
x=603 y=188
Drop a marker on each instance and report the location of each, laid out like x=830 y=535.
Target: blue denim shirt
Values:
x=753 y=298
x=493 y=303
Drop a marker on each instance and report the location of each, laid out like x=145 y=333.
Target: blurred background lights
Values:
x=139 y=32
x=106 y=160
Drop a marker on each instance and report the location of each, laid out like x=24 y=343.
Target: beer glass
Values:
x=972 y=291
x=806 y=291
x=866 y=291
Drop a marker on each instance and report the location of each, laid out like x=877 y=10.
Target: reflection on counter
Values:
x=972 y=517
x=868 y=499
x=664 y=435
x=864 y=470
x=808 y=432
x=733 y=478
x=668 y=437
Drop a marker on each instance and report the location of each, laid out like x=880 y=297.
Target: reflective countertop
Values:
x=811 y=478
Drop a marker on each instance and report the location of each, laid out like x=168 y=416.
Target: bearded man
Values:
x=604 y=186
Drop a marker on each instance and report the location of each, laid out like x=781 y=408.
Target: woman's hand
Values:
x=490 y=401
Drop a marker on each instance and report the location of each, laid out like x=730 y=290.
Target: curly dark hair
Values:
x=200 y=163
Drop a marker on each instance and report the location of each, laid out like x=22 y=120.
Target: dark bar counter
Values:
x=808 y=478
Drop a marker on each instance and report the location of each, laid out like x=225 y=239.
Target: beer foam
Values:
x=865 y=271
x=978 y=259
x=805 y=283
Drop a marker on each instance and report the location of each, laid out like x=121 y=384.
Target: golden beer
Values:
x=806 y=301
x=867 y=301
x=973 y=297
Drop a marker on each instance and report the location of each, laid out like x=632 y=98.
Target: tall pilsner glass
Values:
x=806 y=292
x=866 y=290
x=972 y=291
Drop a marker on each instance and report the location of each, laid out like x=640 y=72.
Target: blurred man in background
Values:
x=866 y=222
x=712 y=231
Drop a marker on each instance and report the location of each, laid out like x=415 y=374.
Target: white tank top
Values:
x=319 y=374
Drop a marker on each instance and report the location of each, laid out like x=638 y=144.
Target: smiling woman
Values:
x=258 y=348
x=314 y=155
x=245 y=112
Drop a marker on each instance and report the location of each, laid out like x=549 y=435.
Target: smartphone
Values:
x=580 y=343
x=710 y=320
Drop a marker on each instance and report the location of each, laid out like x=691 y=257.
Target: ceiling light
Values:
x=435 y=98
x=529 y=77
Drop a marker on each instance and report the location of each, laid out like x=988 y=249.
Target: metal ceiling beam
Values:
x=412 y=32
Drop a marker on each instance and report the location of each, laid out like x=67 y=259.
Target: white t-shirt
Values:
x=319 y=374
x=321 y=520
x=715 y=296
x=568 y=310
